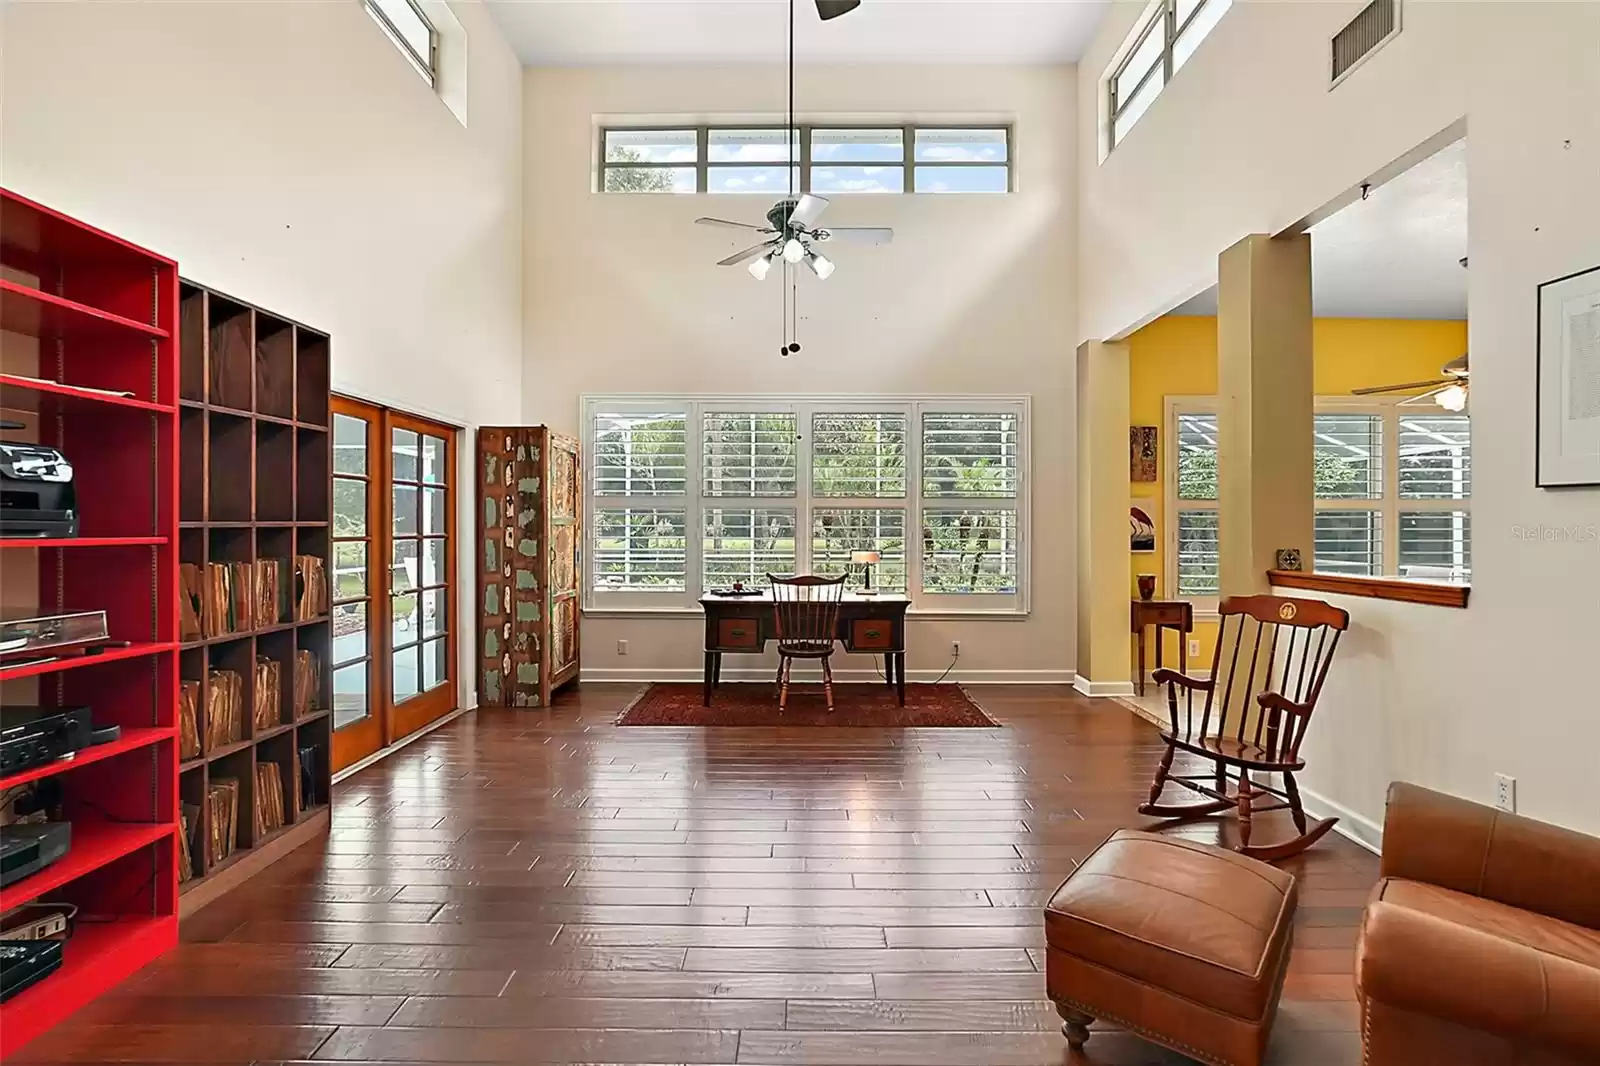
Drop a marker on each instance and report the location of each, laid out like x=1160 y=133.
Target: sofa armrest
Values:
x=1429 y=836
x=1495 y=985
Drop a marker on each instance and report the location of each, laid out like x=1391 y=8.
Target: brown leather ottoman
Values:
x=1182 y=943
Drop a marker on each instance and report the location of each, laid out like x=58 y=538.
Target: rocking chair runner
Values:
x=1266 y=705
x=807 y=612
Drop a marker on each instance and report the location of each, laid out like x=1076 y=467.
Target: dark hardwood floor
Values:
x=542 y=887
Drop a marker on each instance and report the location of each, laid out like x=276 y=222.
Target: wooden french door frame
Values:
x=388 y=720
x=412 y=712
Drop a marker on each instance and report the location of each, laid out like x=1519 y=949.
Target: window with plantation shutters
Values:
x=639 y=526
x=1392 y=485
x=969 y=489
x=1435 y=474
x=748 y=455
x=689 y=495
x=1193 y=536
x=858 y=454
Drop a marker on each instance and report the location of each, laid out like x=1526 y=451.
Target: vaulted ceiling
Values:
x=588 y=32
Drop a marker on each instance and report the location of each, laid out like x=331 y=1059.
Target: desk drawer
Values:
x=738 y=633
x=1160 y=614
x=872 y=634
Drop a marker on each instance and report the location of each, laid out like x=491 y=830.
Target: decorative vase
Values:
x=1147 y=586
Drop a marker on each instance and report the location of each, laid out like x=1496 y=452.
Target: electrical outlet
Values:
x=622 y=647
x=1194 y=648
x=1505 y=792
x=955 y=649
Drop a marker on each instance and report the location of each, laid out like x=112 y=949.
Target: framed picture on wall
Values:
x=1568 y=411
x=1141 y=530
x=1142 y=454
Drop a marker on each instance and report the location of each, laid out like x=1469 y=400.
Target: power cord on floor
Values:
x=955 y=657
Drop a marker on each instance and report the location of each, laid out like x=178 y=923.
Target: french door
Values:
x=394 y=544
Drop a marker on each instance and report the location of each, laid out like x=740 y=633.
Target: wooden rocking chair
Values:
x=806 y=610
x=1258 y=726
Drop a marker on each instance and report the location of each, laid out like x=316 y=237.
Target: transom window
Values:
x=692 y=494
x=825 y=160
x=1161 y=44
x=1393 y=493
x=411 y=32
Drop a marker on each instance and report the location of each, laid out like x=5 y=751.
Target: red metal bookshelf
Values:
x=89 y=365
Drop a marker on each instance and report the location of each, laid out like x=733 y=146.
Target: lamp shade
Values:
x=869 y=557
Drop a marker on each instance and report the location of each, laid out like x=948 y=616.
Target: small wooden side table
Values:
x=1163 y=614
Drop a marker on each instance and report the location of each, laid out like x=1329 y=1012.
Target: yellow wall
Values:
x=1177 y=356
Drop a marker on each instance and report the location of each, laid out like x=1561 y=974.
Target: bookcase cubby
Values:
x=254 y=483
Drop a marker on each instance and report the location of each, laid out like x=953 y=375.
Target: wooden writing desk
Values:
x=873 y=625
x=1163 y=614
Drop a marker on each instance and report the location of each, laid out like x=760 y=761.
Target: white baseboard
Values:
x=1352 y=826
x=844 y=676
x=1099 y=689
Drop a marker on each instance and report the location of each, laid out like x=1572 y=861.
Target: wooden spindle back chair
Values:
x=1271 y=659
x=806 y=610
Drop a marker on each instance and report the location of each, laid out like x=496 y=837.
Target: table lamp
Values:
x=866 y=559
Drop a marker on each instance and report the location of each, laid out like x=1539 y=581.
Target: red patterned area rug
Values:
x=866 y=705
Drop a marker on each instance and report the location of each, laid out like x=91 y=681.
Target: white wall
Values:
x=1247 y=138
x=286 y=153
x=975 y=296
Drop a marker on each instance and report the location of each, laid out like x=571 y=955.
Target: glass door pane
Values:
x=421 y=571
x=357 y=704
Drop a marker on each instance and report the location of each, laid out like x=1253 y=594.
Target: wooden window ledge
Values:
x=1402 y=590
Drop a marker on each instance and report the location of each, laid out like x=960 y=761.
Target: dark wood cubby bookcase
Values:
x=254 y=471
x=88 y=365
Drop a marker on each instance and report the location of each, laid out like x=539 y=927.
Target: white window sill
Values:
x=932 y=613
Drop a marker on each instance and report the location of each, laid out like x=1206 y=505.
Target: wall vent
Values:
x=1377 y=24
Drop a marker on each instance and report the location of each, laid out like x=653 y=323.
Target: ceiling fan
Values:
x=790 y=232
x=1450 y=393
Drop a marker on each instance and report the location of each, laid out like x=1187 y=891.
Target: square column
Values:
x=1103 y=660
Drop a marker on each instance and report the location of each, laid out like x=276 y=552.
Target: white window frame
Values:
x=803 y=164
x=695 y=502
x=426 y=66
x=1389 y=505
x=1160 y=18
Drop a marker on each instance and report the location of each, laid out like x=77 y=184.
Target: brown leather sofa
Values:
x=1481 y=943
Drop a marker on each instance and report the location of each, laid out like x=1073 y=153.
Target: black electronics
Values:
x=29 y=847
x=52 y=632
x=33 y=736
x=37 y=498
x=24 y=963
x=105 y=734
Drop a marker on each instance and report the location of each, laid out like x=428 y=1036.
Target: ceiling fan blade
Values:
x=1424 y=399
x=807 y=211
x=859 y=234
x=832 y=9
x=747 y=254
x=731 y=225
x=1404 y=387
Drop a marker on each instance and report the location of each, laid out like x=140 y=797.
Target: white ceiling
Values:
x=1396 y=254
x=588 y=32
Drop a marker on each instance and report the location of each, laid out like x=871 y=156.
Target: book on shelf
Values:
x=227 y=599
x=307 y=683
x=188 y=818
x=222 y=796
x=224 y=709
x=189 y=720
x=269 y=693
x=311 y=587
x=271 y=592
x=189 y=602
x=270 y=810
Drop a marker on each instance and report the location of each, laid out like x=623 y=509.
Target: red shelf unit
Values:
x=89 y=364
